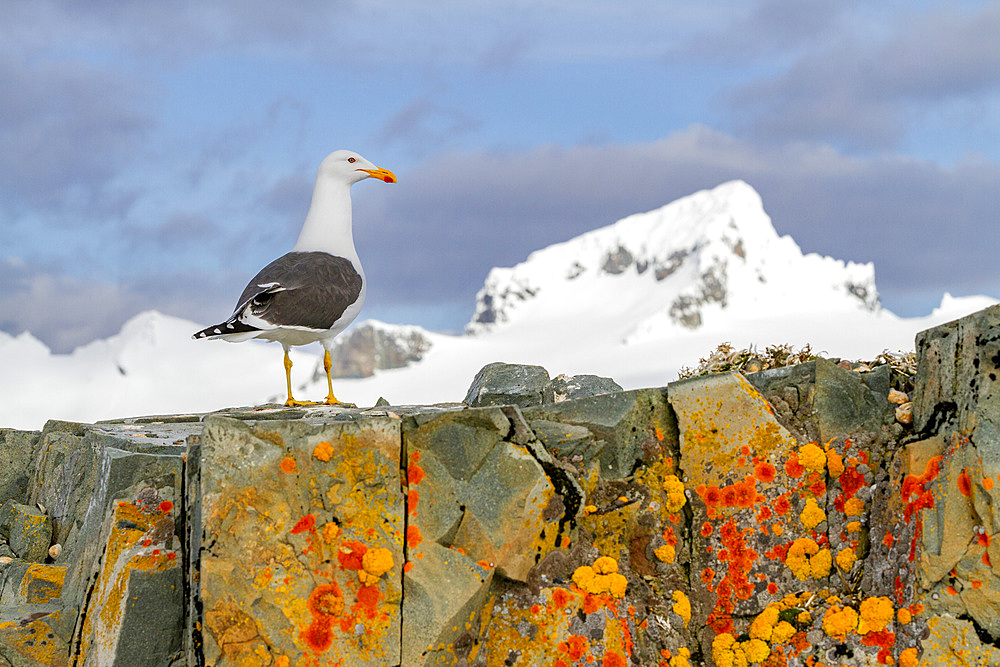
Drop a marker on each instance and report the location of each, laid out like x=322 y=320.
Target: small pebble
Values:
x=898 y=397
x=55 y=550
x=904 y=413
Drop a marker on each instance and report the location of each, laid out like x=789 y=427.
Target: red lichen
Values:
x=964 y=483
x=561 y=597
x=713 y=496
x=746 y=492
x=706 y=529
x=414 y=474
x=351 y=554
x=308 y=522
x=166 y=506
x=614 y=659
x=793 y=468
x=369 y=596
x=765 y=472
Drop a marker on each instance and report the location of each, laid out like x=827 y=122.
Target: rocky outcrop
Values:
x=793 y=516
x=373 y=346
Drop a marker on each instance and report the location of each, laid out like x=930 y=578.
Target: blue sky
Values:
x=156 y=155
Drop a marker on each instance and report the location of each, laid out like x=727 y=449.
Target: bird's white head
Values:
x=349 y=167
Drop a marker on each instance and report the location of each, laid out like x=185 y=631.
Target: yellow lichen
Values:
x=903 y=615
x=812 y=515
x=839 y=621
x=722 y=649
x=854 y=527
x=674 y=489
x=783 y=631
x=602 y=577
x=330 y=532
x=804 y=618
x=805 y=559
x=682 y=659
x=374 y=563
x=756 y=650
x=846 y=559
x=812 y=457
x=682 y=606
x=666 y=553
x=763 y=626
x=876 y=614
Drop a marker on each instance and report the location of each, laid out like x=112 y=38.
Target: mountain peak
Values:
x=687 y=258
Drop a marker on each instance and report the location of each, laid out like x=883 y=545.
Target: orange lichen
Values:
x=166 y=506
x=374 y=563
x=412 y=500
x=765 y=472
x=834 y=463
x=413 y=536
x=846 y=559
x=323 y=451
x=854 y=507
x=988 y=483
x=908 y=658
x=781 y=505
x=287 y=465
x=665 y=553
x=876 y=614
x=812 y=457
x=575 y=647
x=330 y=532
x=903 y=615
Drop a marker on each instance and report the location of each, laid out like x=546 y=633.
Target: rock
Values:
x=17 y=449
x=372 y=346
x=287 y=511
x=904 y=413
x=621 y=425
x=509 y=384
x=30 y=533
x=581 y=386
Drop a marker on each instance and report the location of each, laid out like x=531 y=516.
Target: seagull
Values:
x=315 y=291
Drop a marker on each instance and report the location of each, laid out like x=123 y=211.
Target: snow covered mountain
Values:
x=708 y=256
x=634 y=301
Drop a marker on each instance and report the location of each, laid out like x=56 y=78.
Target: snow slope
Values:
x=635 y=301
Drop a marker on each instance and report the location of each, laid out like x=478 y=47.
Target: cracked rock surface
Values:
x=788 y=517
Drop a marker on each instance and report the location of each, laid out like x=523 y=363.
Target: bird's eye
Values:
x=350 y=159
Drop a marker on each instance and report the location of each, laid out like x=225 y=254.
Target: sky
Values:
x=157 y=155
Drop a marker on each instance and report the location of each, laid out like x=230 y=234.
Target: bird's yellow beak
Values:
x=381 y=174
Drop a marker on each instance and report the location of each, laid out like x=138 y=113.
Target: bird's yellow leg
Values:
x=327 y=365
x=291 y=402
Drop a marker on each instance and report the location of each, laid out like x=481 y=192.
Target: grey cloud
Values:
x=65 y=127
x=857 y=89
